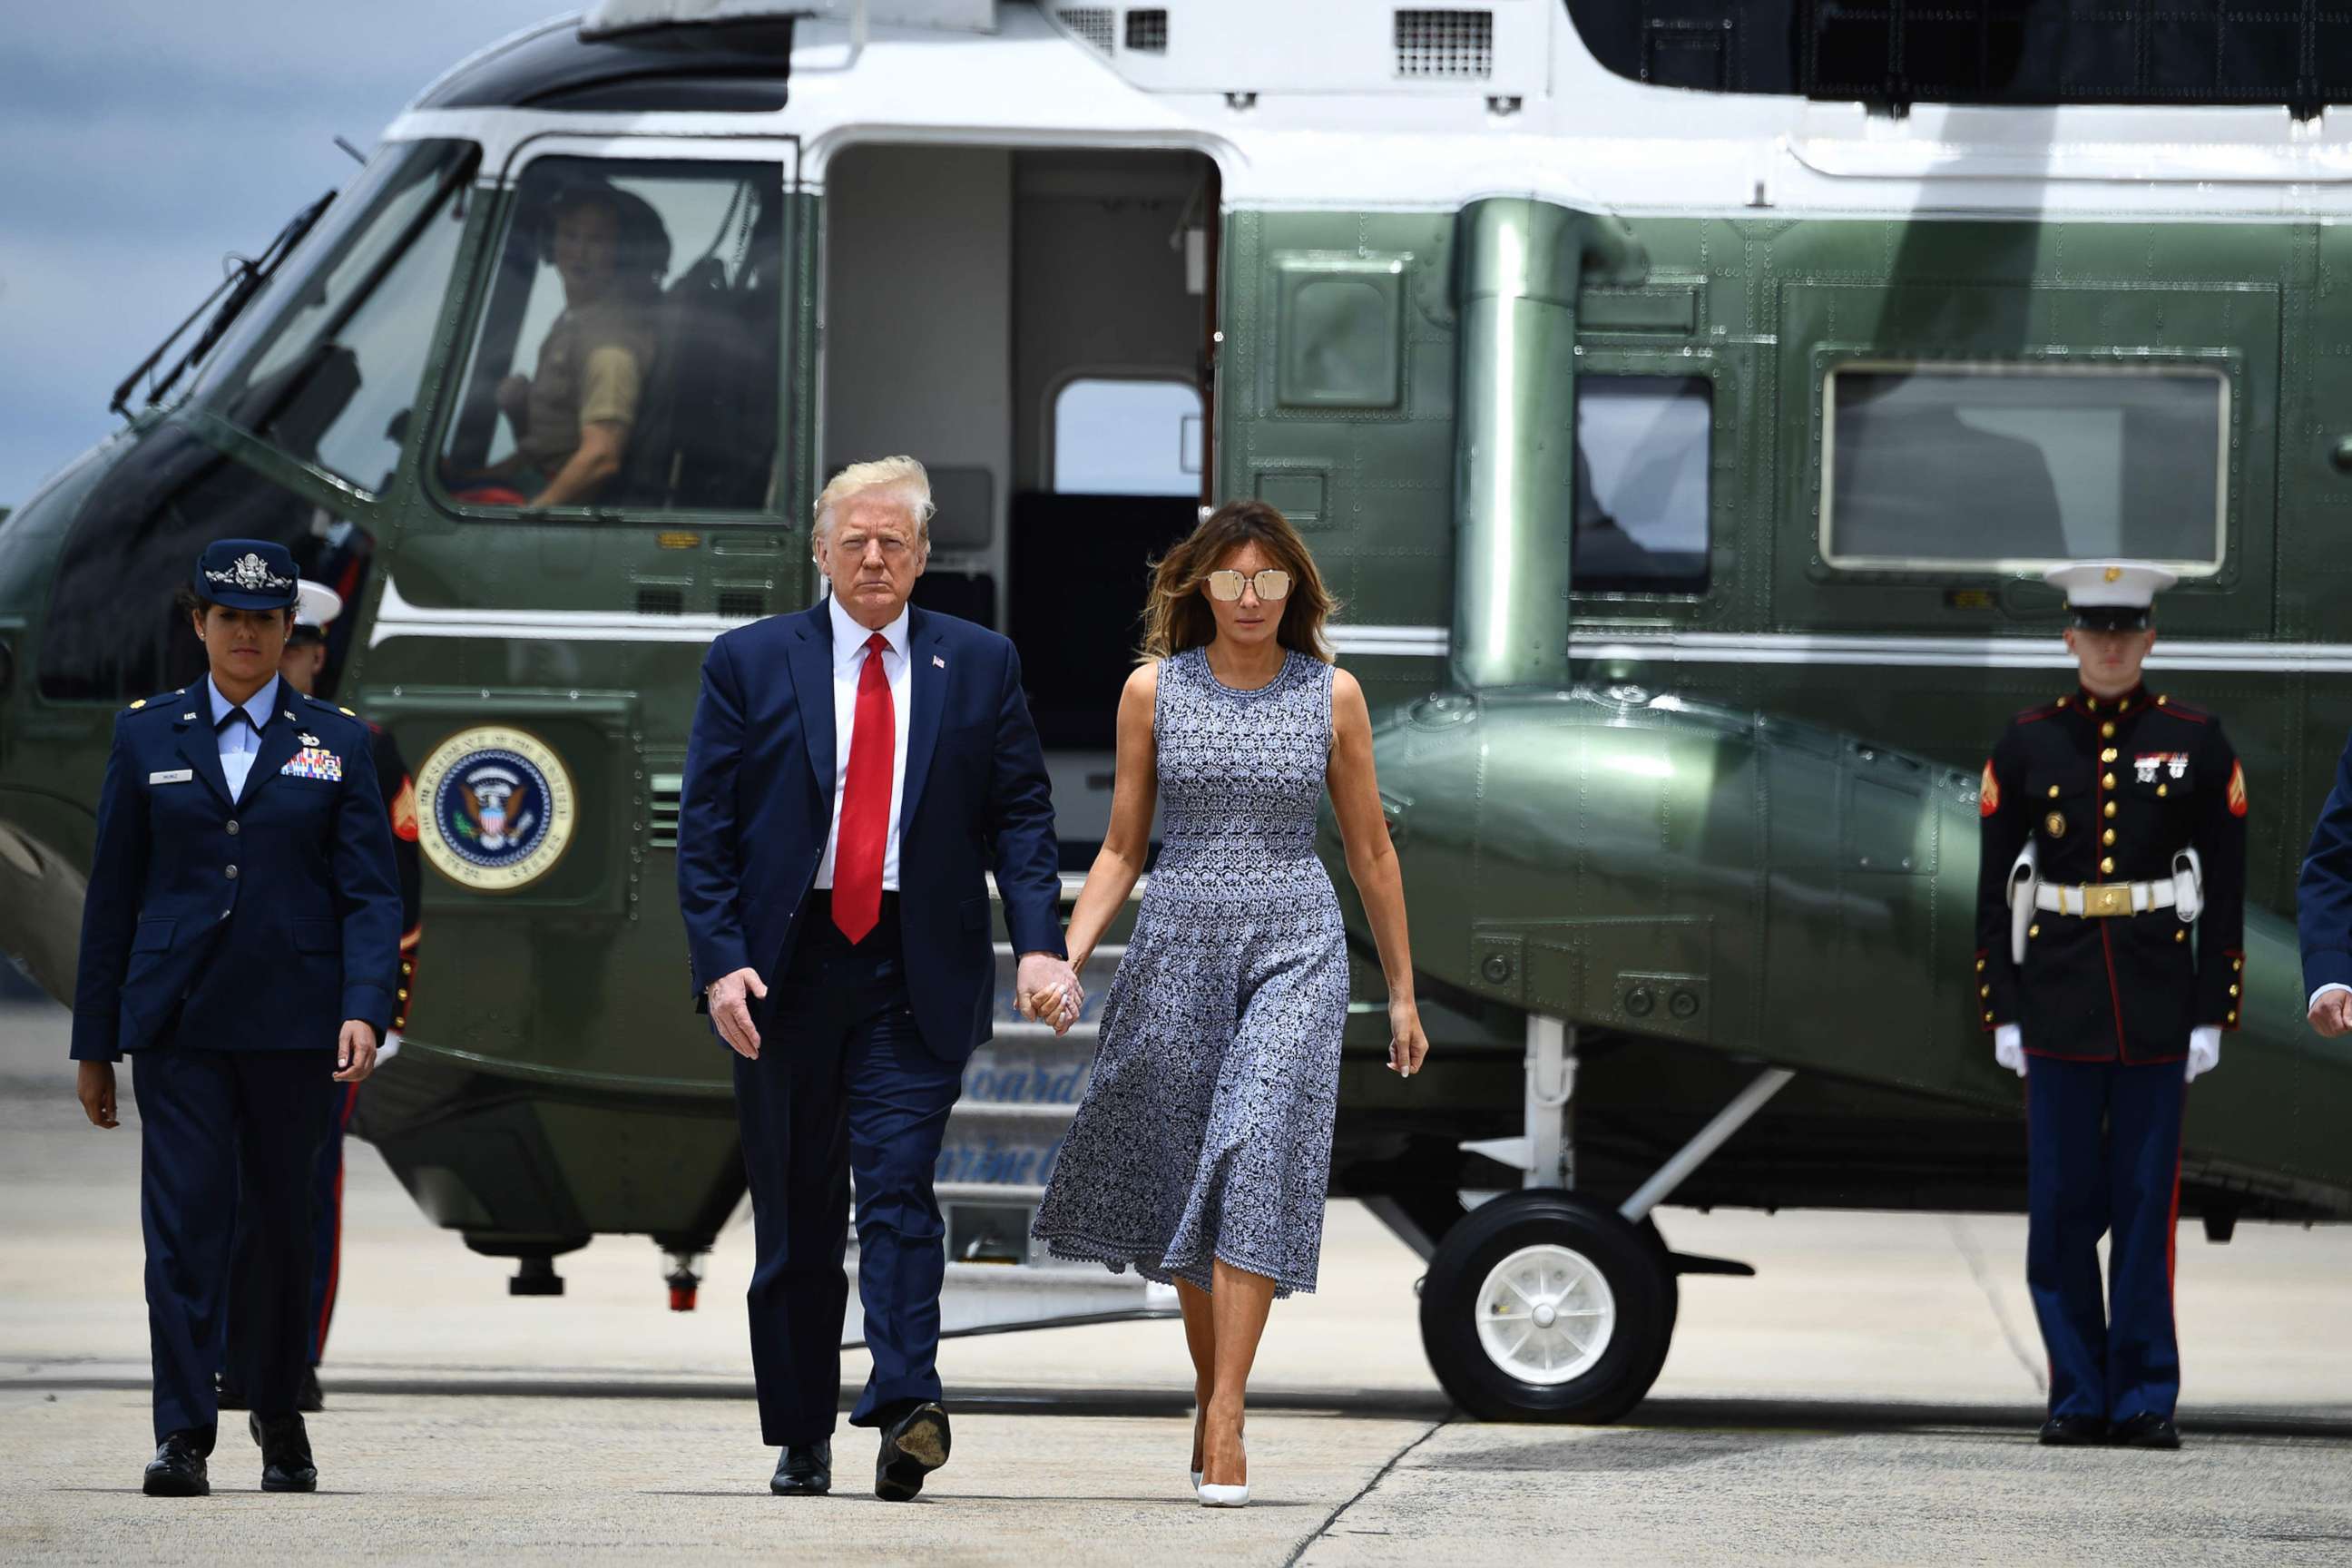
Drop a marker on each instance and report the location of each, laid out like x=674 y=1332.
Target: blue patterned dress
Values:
x=1206 y=1130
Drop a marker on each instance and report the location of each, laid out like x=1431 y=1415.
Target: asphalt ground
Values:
x=1870 y=1397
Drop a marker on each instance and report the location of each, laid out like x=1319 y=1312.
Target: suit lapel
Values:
x=279 y=740
x=811 y=655
x=201 y=748
x=927 y=685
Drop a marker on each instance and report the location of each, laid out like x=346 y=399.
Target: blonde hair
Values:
x=903 y=474
x=1176 y=616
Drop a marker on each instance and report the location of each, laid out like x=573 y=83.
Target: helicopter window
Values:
x=1641 y=459
x=628 y=356
x=337 y=371
x=1127 y=438
x=112 y=633
x=2016 y=467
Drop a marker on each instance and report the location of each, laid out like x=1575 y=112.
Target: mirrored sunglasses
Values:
x=1272 y=582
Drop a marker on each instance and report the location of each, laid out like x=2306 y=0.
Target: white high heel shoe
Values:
x=1215 y=1495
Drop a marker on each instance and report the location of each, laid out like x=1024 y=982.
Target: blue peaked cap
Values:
x=248 y=574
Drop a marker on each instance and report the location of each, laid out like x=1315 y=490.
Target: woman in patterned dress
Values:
x=1201 y=1152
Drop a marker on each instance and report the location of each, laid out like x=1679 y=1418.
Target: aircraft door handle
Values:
x=2341 y=455
x=2030 y=599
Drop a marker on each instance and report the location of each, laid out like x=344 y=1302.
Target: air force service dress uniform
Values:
x=242 y=904
x=2110 y=921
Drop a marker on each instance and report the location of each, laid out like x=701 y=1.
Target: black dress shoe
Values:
x=2146 y=1430
x=804 y=1469
x=178 y=1468
x=2073 y=1431
x=912 y=1447
x=312 y=1398
x=286 y=1464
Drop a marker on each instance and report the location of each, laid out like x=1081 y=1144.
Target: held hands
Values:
x=1049 y=991
x=355 y=1051
x=1407 y=1044
x=2331 y=1012
x=730 y=1009
x=2009 y=1047
x=94 y=1083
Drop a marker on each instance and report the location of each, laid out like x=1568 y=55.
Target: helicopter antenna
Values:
x=357 y=156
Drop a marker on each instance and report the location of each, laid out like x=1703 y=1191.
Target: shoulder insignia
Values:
x=1988 y=792
x=138 y=705
x=2237 y=789
x=346 y=712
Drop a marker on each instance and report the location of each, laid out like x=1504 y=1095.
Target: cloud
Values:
x=144 y=143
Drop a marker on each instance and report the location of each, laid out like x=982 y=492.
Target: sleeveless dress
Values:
x=1206 y=1129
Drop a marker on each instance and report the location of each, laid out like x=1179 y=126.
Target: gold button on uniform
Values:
x=2108 y=782
x=2164 y=789
x=2108 y=836
x=2033 y=931
x=2180 y=935
x=2108 y=730
x=2111 y=808
x=2106 y=866
x=2233 y=990
x=2108 y=756
x=1980 y=962
x=1988 y=1018
x=2054 y=792
x=2233 y=1014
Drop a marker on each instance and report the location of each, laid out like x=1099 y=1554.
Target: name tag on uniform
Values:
x=313 y=762
x=173 y=776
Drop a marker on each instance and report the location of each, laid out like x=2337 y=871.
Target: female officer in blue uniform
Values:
x=241 y=940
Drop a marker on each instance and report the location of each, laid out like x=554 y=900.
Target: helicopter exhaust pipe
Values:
x=1519 y=264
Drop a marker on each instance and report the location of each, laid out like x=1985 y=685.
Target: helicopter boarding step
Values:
x=1020 y=1092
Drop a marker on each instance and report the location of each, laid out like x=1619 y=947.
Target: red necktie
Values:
x=865 y=801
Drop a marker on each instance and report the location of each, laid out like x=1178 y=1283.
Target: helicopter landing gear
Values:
x=683 y=1264
x=1547 y=1305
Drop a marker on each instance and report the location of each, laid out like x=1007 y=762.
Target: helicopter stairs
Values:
x=1020 y=1091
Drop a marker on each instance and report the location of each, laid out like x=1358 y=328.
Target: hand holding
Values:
x=730 y=1009
x=2009 y=1047
x=355 y=1051
x=94 y=1083
x=1407 y=1044
x=2331 y=1014
x=1049 y=990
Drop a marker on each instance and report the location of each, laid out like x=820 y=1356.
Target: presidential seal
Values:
x=495 y=809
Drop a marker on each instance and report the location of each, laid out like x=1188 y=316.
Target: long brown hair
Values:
x=1175 y=615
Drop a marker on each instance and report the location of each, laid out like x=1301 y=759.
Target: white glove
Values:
x=2204 y=1049
x=390 y=1048
x=2008 y=1048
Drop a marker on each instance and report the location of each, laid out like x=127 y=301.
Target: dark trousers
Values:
x=2104 y=1158
x=211 y=1123
x=326 y=1252
x=844 y=1084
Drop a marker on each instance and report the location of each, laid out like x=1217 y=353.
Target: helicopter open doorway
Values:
x=1037 y=325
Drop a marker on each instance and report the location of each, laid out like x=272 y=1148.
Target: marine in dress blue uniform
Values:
x=300 y=666
x=2110 y=915
x=241 y=945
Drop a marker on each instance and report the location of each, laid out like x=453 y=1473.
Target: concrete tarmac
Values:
x=1868 y=1398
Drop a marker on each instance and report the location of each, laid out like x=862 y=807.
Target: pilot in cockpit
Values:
x=572 y=418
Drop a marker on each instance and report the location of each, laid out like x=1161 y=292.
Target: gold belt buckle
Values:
x=2106 y=900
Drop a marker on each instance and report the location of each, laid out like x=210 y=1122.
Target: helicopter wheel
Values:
x=1546 y=1306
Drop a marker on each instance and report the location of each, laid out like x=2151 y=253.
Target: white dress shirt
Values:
x=240 y=742
x=849 y=656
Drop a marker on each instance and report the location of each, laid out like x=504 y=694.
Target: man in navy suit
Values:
x=854 y=770
x=2323 y=910
x=241 y=940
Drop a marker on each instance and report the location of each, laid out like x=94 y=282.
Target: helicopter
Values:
x=1681 y=402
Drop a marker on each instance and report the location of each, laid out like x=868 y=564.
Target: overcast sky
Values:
x=141 y=143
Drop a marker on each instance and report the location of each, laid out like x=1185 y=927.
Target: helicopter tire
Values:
x=1547 y=1306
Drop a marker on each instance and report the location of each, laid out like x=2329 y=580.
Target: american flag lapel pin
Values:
x=938 y=660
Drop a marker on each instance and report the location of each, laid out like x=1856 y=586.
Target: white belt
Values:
x=2100 y=900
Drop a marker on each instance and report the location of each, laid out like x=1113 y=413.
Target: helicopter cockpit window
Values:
x=1641 y=456
x=336 y=371
x=112 y=633
x=628 y=353
x=2016 y=467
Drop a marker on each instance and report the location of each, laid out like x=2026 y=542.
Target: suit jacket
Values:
x=253 y=924
x=2110 y=789
x=2323 y=894
x=757 y=807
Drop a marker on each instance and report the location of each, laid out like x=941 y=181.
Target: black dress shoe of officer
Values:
x=178 y=1468
x=2146 y=1430
x=285 y=1454
x=312 y=1398
x=804 y=1469
x=912 y=1447
x=2073 y=1431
